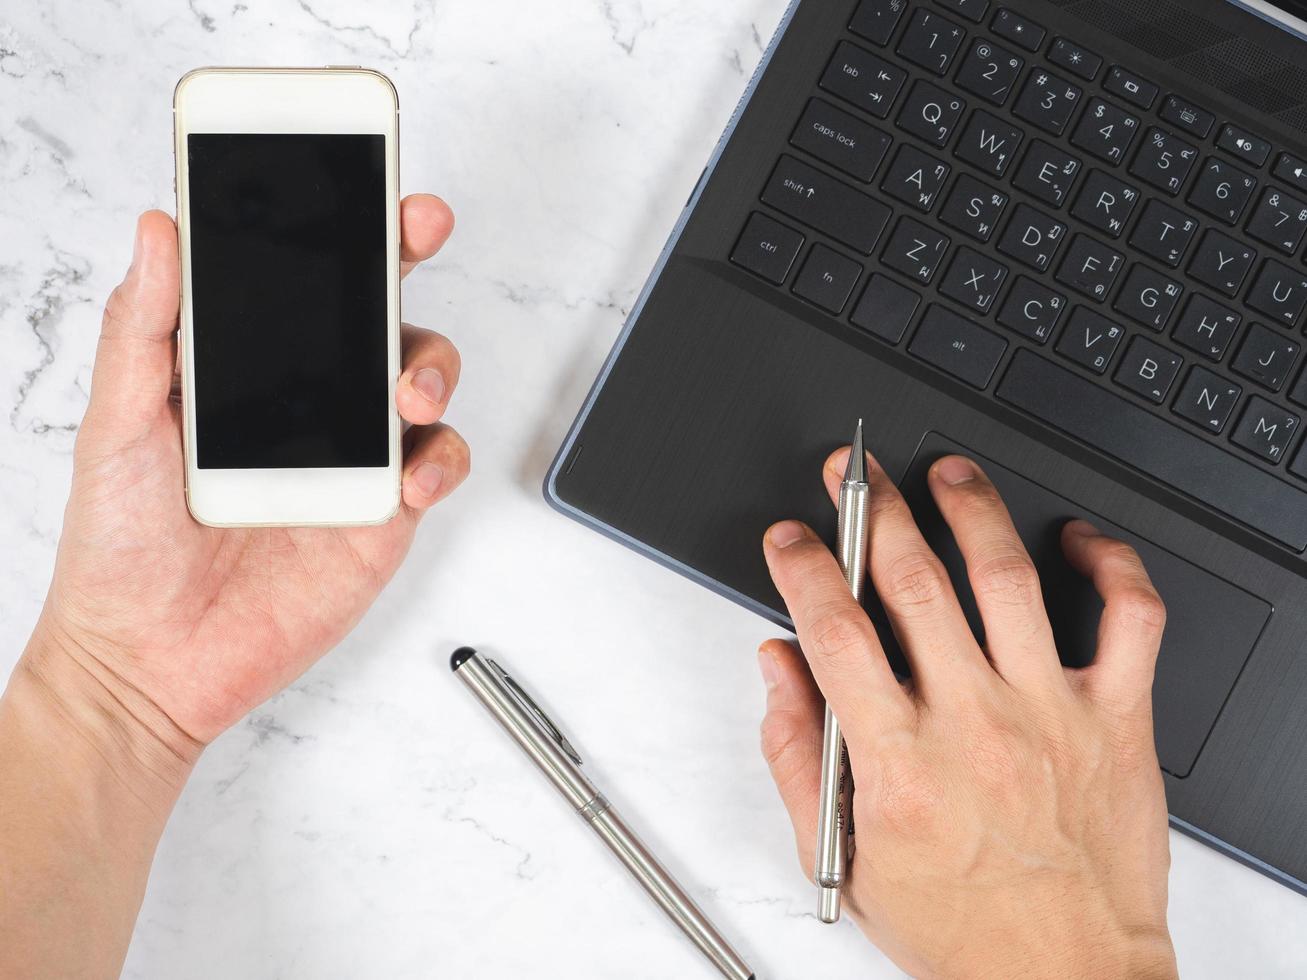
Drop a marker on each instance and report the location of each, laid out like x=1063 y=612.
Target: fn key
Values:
x=767 y=248
x=954 y=344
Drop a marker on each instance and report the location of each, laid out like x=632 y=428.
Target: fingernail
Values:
x=430 y=385
x=954 y=470
x=771 y=674
x=785 y=533
x=1083 y=528
x=427 y=478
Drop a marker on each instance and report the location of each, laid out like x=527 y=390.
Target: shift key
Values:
x=954 y=344
x=824 y=203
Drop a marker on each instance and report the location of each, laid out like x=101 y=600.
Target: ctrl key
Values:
x=767 y=248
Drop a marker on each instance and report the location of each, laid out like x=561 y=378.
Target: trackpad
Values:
x=1211 y=628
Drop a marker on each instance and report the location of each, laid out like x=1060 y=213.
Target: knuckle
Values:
x=1120 y=554
x=838 y=634
x=784 y=742
x=1141 y=606
x=909 y=797
x=913 y=580
x=1006 y=577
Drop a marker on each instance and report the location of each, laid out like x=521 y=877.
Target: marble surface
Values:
x=369 y=822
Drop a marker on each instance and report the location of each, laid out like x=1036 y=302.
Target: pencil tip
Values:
x=856 y=472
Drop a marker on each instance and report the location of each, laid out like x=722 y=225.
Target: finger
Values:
x=792 y=733
x=913 y=586
x=1018 y=637
x=425 y=224
x=437 y=462
x=431 y=370
x=138 y=336
x=1133 y=620
x=835 y=634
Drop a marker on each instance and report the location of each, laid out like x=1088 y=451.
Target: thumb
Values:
x=792 y=733
x=137 y=353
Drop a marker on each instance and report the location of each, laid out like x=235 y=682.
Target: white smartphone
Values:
x=288 y=219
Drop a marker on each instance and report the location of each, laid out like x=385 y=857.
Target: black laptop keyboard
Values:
x=1062 y=234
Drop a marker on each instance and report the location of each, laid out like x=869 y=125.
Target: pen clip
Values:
x=535 y=711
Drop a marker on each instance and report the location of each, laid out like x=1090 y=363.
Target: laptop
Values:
x=1064 y=237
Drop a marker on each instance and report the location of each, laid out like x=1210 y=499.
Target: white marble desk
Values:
x=369 y=822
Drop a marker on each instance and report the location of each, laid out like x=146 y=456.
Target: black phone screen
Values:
x=288 y=300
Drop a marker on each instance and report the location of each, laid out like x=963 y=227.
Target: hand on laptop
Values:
x=159 y=633
x=1009 y=813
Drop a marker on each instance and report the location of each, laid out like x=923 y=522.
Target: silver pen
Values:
x=835 y=804
x=553 y=755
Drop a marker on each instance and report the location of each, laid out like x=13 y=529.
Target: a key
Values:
x=915 y=178
x=931 y=41
x=1244 y=145
x=822 y=202
x=1164 y=161
x=1206 y=399
x=1221 y=263
x=1105 y=203
x=886 y=309
x=1265 y=429
x=842 y=140
x=1090 y=340
x=915 y=250
x=1130 y=87
x=876 y=19
x=1222 y=190
x=827 y=279
x=931 y=113
x=972 y=10
x=1018 y=29
x=1279 y=220
x=1189 y=117
x=988 y=143
x=1149 y=298
x=767 y=248
x=954 y=344
x=1106 y=131
x=973 y=279
x=1032 y=237
x=1148 y=369
x=1164 y=233
x=989 y=71
x=1293 y=171
x=1280 y=293
x=973 y=208
x=1206 y=327
x=1032 y=310
x=1075 y=59
x=1046 y=173
x=1047 y=101
x=868 y=82
x=1265 y=356
x=1090 y=267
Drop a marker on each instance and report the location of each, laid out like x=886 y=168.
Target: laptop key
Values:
x=1207 y=399
x=1046 y=173
x=886 y=309
x=1032 y=237
x=1164 y=160
x=1130 y=87
x=1018 y=29
x=915 y=250
x=1222 y=191
x=915 y=178
x=1149 y=298
x=1090 y=340
x=1279 y=292
x=1158 y=448
x=1090 y=267
x=989 y=71
x=767 y=248
x=972 y=10
x=827 y=279
x=973 y=279
x=931 y=113
x=1189 y=117
x=821 y=202
x=1279 y=220
x=842 y=140
x=1244 y=145
x=973 y=208
x=931 y=41
x=1163 y=233
x=1265 y=429
x=1047 y=101
x=1221 y=263
x=1105 y=203
x=988 y=143
x=1291 y=170
x=876 y=19
x=1206 y=327
x=1265 y=356
x=1106 y=131
x=1148 y=369
x=1075 y=59
x=957 y=346
x=1032 y=310
x=859 y=77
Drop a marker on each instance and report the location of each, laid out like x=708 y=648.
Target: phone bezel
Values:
x=289 y=100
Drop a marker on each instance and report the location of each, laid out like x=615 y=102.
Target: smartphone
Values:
x=288 y=223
